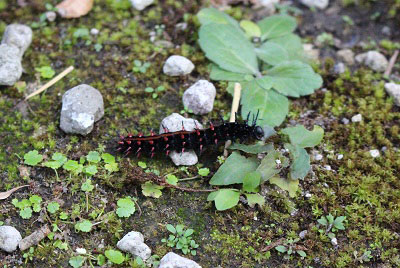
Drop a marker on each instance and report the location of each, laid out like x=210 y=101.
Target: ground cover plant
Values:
x=339 y=206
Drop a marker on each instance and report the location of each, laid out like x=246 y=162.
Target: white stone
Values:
x=328 y=167
x=177 y=65
x=393 y=90
x=9 y=238
x=172 y=260
x=308 y=195
x=200 y=97
x=318 y=157
x=269 y=6
x=356 y=118
x=82 y=106
x=339 y=68
x=94 y=31
x=51 y=16
x=345 y=121
x=141 y=4
x=10 y=65
x=173 y=123
x=374 y=60
x=334 y=241
x=18 y=35
x=321 y=4
x=311 y=52
x=346 y=55
x=374 y=153
x=303 y=234
x=339 y=156
x=80 y=250
x=133 y=242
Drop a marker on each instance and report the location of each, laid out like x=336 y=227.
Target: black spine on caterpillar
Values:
x=183 y=140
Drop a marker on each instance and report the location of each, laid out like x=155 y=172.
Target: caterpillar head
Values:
x=258 y=132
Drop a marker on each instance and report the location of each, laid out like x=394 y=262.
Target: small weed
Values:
x=126 y=207
x=289 y=247
x=140 y=67
x=331 y=224
x=155 y=91
x=27 y=206
x=46 y=72
x=181 y=239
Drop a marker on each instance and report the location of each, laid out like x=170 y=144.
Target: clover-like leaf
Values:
x=52 y=164
x=93 y=157
x=302 y=137
x=108 y=158
x=74 y=166
x=204 y=172
x=112 y=167
x=126 y=207
x=172 y=179
x=151 y=189
x=87 y=186
x=228 y=47
x=84 y=226
x=26 y=213
x=234 y=169
x=53 y=207
x=338 y=223
x=59 y=157
x=33 y=158
x=91 y=170
x=276 y=26
x=115 y=256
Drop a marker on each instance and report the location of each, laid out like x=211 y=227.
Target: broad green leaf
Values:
x=226 y=199
x=74 y=166
x=171 y=228
x=254 y=199
x=251 y=181
x=213 y=15
x=53 y=207
x=302 y=137
x=33 y=158
x=286 y=184
x=84 y=226
x=126 y=207
x=257 y=148
x=203 y=172
x=250 y=28
x=26 y=213
x=293 y=78
x=87 y=186
x=212 y=196
x=301 y=253
x=93 y=157
x=233 y=170
x=108 y=158
x=300 y=162
x=115 y=256
x=220 y=74
x=59 y=157
x=52 y=164
x=271 y=165
x=281 y=49
x=76 y=261
x=338 y=223
x=323 y=221
x=91 y=170
x=112 y=167
x=228 y=47
x=281 y=249
x=172 y=179
x=276 y=26
x=272 y=106
x=151 y=189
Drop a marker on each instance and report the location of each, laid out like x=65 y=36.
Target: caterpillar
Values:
x=197 y=139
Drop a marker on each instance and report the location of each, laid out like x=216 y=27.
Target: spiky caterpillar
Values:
x=184 y=140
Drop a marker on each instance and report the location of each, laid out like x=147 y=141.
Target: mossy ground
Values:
x=364 y=189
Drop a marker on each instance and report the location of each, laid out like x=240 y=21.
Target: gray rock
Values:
x=321 y=4
x=81 y=107
x=356 y=118
x=374 y=153
x=303 y=234
x=51 y=16
x=200 y=97
x=339 y=68
x=172 y=260
x=9 y=238
x=10 y=65
x=374 y=60
x=174 y=123
x=141 y=4
x=177 y=65
x=334 y=241
x=133 y=242
x=346 y=55
x=18 y=35
x=311 y=52
x=393 y=90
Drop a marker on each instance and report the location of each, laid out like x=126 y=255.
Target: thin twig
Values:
x=234 y=109
x=165 y=184
x=51 y=82
x=189 y=179
x=140 y=210
x=392 y=61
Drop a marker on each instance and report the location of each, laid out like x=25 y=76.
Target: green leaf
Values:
x=323 y=221
x=338 y=223
x=330 y=218
x=213 y=15
x=63 y=215
x=286 y=184
x=151 y=189
x=112 y=167
x=74 y=166
x=26 y=213
x=292 y=78
x=300 y=162
x=93 y=157
x=281 y=249
x=172 y=179
x=301 y=253
x=233 y=170
x=276 y=26
x=59 y=157
x=46 y=72
x=302 y=137
x=226 y=199
x=218 y=73
x=91 y=170
x=35 y=199
x=108 y=158
x=171 y=228
x=33 y=158
x=281 y=49
x=271 y=165
x=126 y=207
x=250 y=28
x=228 y=47
x=257 y=148
x=52 y=164
x=84 y=226
x=211 y=196
x=254 y=199
x=189 y=232
x=53 y=207
x=87 y=186
x=76 y=261
x=251 y=181
x=101 y=259
x=272 y=106
x=142 y=164
x=115 y=256
x=203 y=172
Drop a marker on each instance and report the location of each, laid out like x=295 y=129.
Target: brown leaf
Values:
x=74 y=8
x=4 y=195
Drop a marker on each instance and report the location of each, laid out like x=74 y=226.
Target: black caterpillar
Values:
x=183 y=140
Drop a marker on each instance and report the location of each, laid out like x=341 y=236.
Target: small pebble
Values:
x=345 y=121
x=172 y=260
x=374 y=60
x=303 y=234
x=133 y=242
x=374 y=153
x=346 y=55
x=308 y=195
x=177 y=65
x=339 y=68
x=318 y=157
x=9 y=238
x=18 y=35
x=356 y=118
x=200 y=97
x=141 y=4
x=328 y=167
x=339 y=156
x=334 y=241
x=51 y=16
x=320 y=4
x=94 y=31
x=80 y=250
x=393 y=90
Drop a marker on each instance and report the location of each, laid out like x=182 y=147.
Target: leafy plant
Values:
x=126 y=207
x=269 y=70
x=289 y=247
x=27 y=206
x=33 y=158
x=140 y=67
x=155 y=91
x=181 y=239
x=151 y=189
x=115 y=256
x=53 y=207
x=46 y=72
x=331 y=224
x=84 y=226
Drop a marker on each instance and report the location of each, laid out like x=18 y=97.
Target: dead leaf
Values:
x=74 y=8
x=4 y=195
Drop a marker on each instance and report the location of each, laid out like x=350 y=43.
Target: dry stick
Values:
x=392 y=61
x=234 y=109
x=51 y=82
